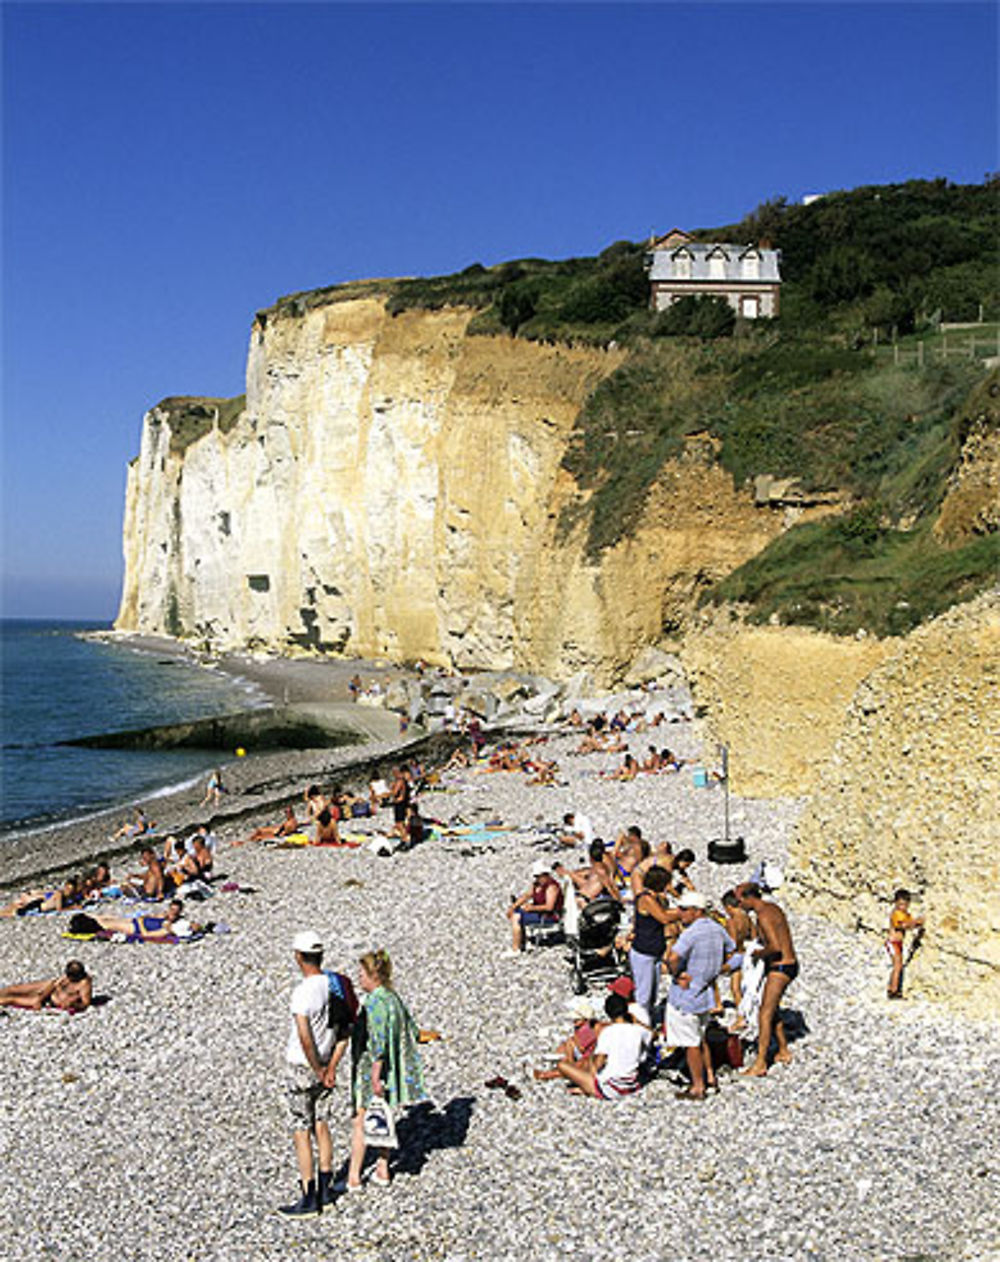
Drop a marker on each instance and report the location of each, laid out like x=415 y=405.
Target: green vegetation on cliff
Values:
x=854 y=391
x=191 y=417
x=881 y=567
x=881 y=257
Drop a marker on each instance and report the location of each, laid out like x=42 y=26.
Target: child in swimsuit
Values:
x=900 y=921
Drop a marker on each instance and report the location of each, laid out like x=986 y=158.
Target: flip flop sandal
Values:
x=497 y=1083
x=689 y=1095
x=512 y=1092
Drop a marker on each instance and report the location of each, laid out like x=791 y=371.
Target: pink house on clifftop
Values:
x=747 y=276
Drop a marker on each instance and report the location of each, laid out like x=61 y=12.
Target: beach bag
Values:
x=342 y=1004
x=725 y=1049
x=80 y=924
x=379 y=1126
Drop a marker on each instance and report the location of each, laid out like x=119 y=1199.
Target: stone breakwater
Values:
x=153 y=1127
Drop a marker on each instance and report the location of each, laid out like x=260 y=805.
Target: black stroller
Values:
x=593 y=956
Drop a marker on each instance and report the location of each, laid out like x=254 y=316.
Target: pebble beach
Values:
x=153 y=1125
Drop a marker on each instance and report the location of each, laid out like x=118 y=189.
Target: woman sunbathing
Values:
x=65 y=895
x=135 y=827
x=152 y=928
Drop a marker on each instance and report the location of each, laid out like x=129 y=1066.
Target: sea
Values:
x=56 y=685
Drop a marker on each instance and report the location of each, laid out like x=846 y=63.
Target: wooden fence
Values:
x=940 y=349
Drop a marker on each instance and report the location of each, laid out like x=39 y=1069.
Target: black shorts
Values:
x=791 y=971
x=399 y=810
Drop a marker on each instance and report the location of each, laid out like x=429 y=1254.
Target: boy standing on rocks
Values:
x=312 y=1057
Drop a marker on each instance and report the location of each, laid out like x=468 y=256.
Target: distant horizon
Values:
x=170 y=169
x=51 y=621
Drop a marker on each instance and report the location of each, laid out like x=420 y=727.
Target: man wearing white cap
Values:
x=541 y=905
x=312 y=1056
x=694 y=963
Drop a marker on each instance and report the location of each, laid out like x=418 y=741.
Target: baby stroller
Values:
x=593 y=956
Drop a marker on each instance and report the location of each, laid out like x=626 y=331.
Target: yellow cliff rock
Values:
x=911 y=798
x=393 y=489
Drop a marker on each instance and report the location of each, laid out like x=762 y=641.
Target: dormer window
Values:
x=717 y=264
x=750 y=264
x=682 y=265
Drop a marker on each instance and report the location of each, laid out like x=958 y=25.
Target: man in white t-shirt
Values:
x=311 y=1059
x=577 y=830
x=612 y=1071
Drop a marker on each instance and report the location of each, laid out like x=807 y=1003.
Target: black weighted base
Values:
x=734 y=851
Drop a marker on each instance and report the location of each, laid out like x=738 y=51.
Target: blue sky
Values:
x=170 y=168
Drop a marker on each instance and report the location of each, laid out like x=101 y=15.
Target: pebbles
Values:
x=153 y=1127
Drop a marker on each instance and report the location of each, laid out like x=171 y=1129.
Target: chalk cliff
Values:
x=392 y=488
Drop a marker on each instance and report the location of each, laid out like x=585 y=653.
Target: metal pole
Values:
x=724 y=751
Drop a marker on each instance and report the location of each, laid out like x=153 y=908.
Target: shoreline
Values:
x=316 y=689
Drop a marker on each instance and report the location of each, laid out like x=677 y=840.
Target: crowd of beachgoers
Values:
x=593 y=1039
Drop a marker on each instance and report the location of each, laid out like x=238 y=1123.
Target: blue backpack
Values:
x=342 y=1005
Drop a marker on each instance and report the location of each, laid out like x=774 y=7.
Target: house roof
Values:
x=665 y=264
x=675 y=237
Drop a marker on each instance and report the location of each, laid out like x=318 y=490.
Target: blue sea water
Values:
x=55 y=686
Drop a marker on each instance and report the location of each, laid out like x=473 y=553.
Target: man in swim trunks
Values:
x=400 y=793
x=781 y=969
x=153 y=882
x=72 y=992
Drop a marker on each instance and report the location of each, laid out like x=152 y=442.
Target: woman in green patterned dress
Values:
x=386 y=1063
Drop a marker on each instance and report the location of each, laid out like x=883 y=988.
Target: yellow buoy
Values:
x=241 y=752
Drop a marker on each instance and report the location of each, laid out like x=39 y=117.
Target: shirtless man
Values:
x=72 y=992
x=781 y=969
x=595 y=880
x=739 y=926
x=153 y=881
x=288 y=825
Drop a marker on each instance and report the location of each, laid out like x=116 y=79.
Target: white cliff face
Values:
x=392 y=490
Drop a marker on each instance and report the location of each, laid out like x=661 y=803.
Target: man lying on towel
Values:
x=152 y=928
x=70 y=993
